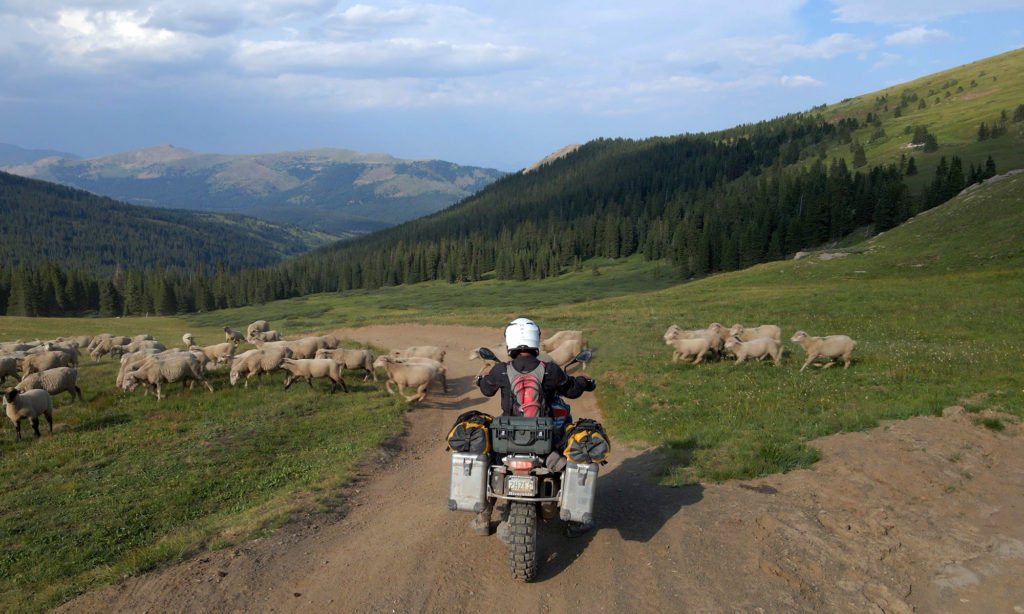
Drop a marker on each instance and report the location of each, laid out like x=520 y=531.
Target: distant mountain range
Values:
x=333 y=190
x=12 y=154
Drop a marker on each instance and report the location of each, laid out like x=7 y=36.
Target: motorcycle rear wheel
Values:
x=522 y=543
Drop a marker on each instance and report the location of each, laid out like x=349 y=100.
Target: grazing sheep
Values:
x=761 y=348
x=54 y=381
x=32 y=363
x=351 y=359
x=30 y=404
x=8 y=368
x=267 y=335
x=685 y=348
x=425 y=351
x=308 y=368
x=49 y=346
x=407 y=376
x=257 y=362
x=559 y=338
x=158 y=370
x=137 y=345
x=830 y=347
x=101 y=345
x=748 y=334
x=233 y=335
x=188 y=339
x=257 y=326
x=216 y=354
x=130 y=362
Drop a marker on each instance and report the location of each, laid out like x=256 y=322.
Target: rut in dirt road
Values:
x=885 y=522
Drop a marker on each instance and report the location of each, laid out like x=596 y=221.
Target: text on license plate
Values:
x=522 y=485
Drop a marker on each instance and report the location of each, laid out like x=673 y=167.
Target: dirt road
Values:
x=919 y=515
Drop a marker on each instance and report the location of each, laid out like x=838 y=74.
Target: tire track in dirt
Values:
x=919 y=514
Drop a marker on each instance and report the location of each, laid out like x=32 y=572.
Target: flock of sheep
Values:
x=48 y=368
x=757 y=343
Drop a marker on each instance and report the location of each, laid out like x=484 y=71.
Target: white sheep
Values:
x=559 y=338
x=758 y=348
x=188 y=339
x=830 y=347
x=233 y=335
x=564 y=353
x=54 y=381
x=426 y=351
x=267 y=335
x=257 y=326
x=500 y=350
x=102 y=344
x=32 y=363
x=747 y=334
x=308 y=368
x=353 y=359
x=712 y=335
x=442 y=372
x=416 y=376
x=136 y=345
x=31 y=405
x=216 y=354
x=685 y=348
x=257 y=362
x=158 y=370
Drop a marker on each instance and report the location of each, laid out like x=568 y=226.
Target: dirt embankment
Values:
x=918 y=515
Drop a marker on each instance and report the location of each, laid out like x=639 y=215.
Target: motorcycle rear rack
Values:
x=555 y=499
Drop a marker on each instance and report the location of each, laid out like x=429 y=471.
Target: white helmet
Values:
x=522 y=334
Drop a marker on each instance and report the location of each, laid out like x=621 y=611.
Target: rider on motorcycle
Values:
x=522 y=338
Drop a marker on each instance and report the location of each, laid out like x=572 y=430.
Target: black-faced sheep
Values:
x=31 y=405
x=758 y=348
x=233 y=335
x=308 y=368
x=830 y=347
x=416 y=376
x=352 y=359
x=54 y=381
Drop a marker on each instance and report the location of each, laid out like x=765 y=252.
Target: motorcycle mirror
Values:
x=583 y=356
x=487 y=354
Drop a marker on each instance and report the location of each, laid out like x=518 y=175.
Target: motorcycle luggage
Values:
x=471 y=433
x=522 y=435
x=467 y=490
x=586 y=442
x=579 y=485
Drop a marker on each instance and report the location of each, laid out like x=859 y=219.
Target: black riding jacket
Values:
x=555 y=382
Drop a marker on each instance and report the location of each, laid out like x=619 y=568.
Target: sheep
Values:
x=188 y=339
x=257 y=362
x=54 y=381
x=217 y=354
x=442 y=372
x=308 y=368
x=416 y=376
x=8 y=368
x=426 y=351
x=157 y=370
x=761 y=347
x=30 y=404
x=560 y=337
x=684 y=348
x=267 y=335
x=80 y=341
x=46 y=360
x=351 y=359
x=49 y=346
x=748 y=334
x=130 y=362
x=564 y=353
x=711 y=334
x=257 y=326
x=831 y=347
x=136 y=345
x=233 y=335
x=103 y=345
x=500 y=350
x=306 y=347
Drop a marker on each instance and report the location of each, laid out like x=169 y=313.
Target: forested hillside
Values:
x=703 y=202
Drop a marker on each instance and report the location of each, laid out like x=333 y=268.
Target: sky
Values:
x=481 y=83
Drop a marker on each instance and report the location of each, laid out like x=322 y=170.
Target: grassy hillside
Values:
x=78 y=230
x=127 y=482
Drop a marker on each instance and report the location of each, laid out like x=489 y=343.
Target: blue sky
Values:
x=496 y=84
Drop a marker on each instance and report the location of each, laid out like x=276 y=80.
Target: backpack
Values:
x=471 y=433
x=586 y=442
x=527 y=395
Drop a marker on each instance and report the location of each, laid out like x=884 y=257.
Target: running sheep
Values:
x=416 y=376
x=830 y=347
x=759 y=348
x=426 y=351
x=351 y=359
x=53 y=381
x=31 y=404
x=308 y=368
x=559 y=338
x=167 y=369
x=747 y=334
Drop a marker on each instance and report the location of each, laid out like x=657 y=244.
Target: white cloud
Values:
x=775 y=50
x=888 y=59
x=887 y=11
x=799 y=81
x=916 y=36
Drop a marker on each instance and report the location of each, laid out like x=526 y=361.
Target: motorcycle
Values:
x=534 y=480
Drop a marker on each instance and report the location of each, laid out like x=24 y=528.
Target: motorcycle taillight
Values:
x=521 y=463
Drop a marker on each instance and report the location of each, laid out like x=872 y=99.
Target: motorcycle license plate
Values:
x=522 y=485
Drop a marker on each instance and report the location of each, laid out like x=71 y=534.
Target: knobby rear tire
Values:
x=522 y=544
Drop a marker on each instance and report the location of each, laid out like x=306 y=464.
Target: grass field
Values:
x=126 y=483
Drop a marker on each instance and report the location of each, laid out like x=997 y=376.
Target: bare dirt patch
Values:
x=916 y=515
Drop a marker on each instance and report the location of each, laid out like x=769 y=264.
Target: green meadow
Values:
x=127 y=483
